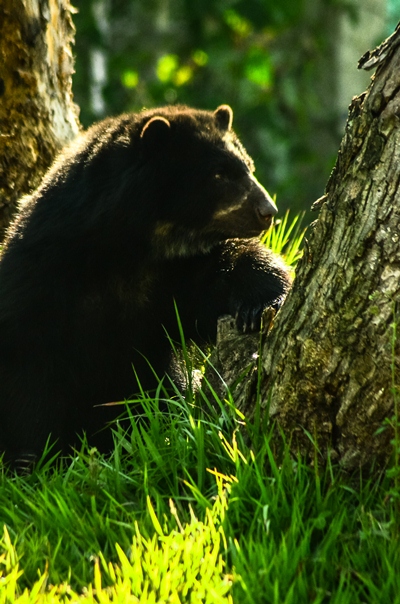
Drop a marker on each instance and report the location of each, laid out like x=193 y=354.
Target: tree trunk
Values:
x=330 y=362
x=37 y=115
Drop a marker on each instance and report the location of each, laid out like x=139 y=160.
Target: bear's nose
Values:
x=264 y=204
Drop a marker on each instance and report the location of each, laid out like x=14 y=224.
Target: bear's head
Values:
x=207 y=191
x=173 y=181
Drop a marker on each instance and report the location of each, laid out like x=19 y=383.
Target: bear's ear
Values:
x=224 y=117
x=155 y=129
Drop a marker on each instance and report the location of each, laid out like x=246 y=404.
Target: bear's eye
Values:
x=225 y=173
x=230 y=174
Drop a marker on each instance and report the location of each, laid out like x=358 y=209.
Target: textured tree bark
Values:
x=327 y=362
x=37 y=115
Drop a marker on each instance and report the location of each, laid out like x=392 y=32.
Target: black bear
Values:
x=141 y=212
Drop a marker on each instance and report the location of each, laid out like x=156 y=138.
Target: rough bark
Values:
x=37 y=115
x=327 y=362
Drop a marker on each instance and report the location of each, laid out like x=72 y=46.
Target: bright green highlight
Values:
x=286 y=237
x=130 y=79
x=183 y=75
x=258 y=69
x=238 y=24
x=169 y=70
x=182 y=565
x=166 y=67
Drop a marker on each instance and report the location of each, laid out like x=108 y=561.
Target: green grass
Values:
x=187 y=511
x=286 y=237
x=195 y=506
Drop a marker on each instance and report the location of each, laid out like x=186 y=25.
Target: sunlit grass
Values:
x=286 y=237
x=182 y=564
x=189 y=508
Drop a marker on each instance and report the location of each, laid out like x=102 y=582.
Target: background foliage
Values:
x=273 y=62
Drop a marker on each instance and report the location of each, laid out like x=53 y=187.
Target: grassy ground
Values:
x=194 y=506
x=187 y=511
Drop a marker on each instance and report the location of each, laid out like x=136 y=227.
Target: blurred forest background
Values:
x=288 y=68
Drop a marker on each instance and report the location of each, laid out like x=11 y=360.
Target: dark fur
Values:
x=139 y=211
